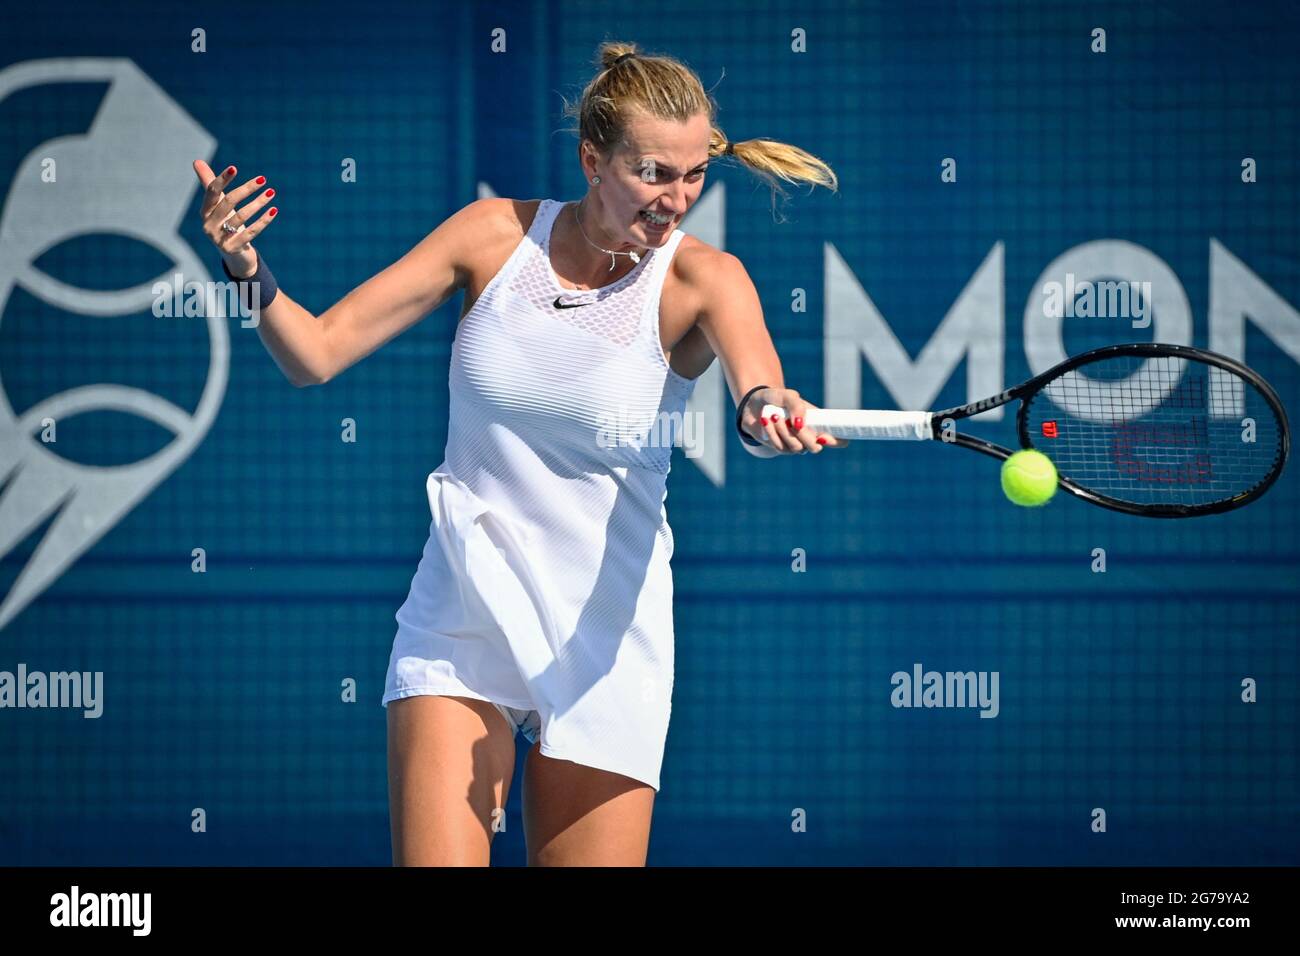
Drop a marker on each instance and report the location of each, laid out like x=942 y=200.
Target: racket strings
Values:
x=1160 y=430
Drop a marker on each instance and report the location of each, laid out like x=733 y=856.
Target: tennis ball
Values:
x=1029 y=478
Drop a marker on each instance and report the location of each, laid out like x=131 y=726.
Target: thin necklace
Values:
x=634 y=256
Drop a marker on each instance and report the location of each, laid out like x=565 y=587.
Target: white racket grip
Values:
x=850 y=423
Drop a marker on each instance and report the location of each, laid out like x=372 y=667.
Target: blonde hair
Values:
x=661 y=86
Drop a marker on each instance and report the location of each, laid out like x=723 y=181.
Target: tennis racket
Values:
x=1161 y=431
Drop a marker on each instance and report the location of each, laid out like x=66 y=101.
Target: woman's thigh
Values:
x=576 y=815
x=450 y=762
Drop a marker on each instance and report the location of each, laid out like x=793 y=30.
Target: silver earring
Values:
x=595 y=180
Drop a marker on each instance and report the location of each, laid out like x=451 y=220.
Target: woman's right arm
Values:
x=311 y=350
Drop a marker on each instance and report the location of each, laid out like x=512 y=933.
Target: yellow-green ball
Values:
x=1029 y=478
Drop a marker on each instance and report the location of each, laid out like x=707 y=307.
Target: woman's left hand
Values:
x=788 y=435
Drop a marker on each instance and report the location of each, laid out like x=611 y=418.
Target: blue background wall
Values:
x=1118 y=690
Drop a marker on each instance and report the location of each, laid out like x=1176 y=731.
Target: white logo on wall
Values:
x=128 y=175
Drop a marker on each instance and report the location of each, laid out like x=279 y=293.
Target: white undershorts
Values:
x=411 y=674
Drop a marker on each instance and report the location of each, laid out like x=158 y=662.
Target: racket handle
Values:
x=864 y=423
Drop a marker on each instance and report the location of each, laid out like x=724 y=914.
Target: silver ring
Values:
x=230 y=230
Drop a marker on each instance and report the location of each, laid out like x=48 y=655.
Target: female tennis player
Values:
x=543 y=600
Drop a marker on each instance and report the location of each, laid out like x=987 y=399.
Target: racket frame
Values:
x=1025 y=391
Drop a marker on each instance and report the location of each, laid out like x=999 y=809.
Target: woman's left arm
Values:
x=731 y=318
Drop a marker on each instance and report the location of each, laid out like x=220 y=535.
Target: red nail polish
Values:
x=798 y=423
x=821 y=439
x=260 y=180
x=270 y=193
x=230 y=170
x=272 y=212
x=764 y=421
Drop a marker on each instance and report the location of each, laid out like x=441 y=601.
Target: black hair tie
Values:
x=740 y=413
x=620 y=59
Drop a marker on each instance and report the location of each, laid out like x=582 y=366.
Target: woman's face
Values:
x=656 y=173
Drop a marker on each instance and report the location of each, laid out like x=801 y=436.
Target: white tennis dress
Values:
x=545 y=584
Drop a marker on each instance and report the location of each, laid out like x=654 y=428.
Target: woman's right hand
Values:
x=218 y=207
x=786 y=434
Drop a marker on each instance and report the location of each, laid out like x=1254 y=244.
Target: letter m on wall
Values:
x=973 y=328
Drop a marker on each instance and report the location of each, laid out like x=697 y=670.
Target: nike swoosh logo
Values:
x=572 y=305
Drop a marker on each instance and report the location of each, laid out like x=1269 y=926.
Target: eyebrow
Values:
x=665 y=167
